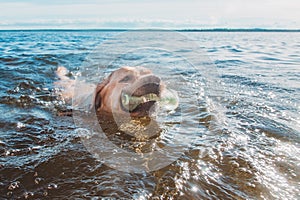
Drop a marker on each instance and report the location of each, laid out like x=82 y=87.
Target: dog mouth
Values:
x=138 y=103
x=139 y=97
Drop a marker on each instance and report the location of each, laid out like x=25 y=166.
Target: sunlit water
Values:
x=246 y=144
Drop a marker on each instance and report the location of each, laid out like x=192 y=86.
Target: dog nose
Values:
x=144 y=85
x=150 y=79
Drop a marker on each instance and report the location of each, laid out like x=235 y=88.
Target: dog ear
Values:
x=98 y=95
x=99 y=88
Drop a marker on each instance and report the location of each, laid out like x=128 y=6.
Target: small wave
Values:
x=269 y=58
x=21 y=101
x=131 y=57
x=229 y=63
x=5 y=60
x=47 y=59
x=212 y=50
x=236 y=50
x=254 y=83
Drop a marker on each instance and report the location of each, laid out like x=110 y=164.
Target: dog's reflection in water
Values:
x=138 y=134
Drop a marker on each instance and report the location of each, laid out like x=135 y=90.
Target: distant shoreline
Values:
x=179 y=30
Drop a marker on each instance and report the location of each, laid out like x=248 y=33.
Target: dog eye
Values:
x=125 y=79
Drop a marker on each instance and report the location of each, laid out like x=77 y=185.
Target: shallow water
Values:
x=245 y=144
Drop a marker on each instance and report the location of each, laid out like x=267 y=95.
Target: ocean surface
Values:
x=239 y=115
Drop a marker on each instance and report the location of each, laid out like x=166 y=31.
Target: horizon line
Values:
x=161 y=29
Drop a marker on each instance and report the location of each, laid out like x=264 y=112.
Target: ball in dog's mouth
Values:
x=135 y=103
x=141 y=100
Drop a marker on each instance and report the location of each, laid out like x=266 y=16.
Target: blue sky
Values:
x=31 y=14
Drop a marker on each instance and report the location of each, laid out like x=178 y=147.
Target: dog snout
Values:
x=146 y=84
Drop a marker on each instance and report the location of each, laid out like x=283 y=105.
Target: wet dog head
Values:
x=128 y=90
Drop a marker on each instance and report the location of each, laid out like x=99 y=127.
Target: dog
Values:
x=127 y=90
